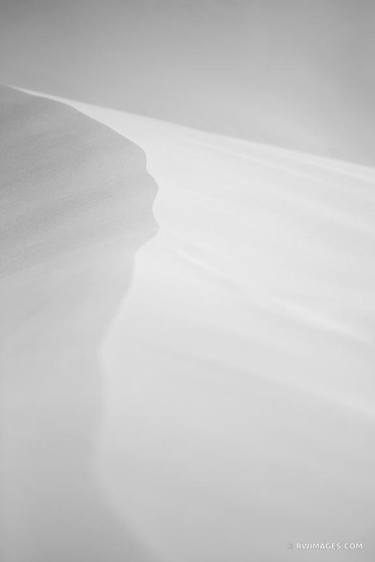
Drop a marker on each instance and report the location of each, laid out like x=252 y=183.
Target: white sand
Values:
x=236 y=378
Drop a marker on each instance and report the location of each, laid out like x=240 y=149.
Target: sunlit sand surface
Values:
x=214 y=403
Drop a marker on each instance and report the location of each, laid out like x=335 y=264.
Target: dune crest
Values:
x=238 y=404
x=248 y=349
x=76 y=204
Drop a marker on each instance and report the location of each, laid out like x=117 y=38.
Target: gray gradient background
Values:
x=297 y=73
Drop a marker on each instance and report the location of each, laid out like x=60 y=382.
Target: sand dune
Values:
x=296 y=73
x=236 y=373
x=76 y=203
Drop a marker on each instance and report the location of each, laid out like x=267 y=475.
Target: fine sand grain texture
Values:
x=76 y=203
x=231 y=415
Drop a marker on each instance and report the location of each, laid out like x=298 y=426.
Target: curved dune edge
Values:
x=76 y=205
x=67 y=182
x=250 y=342
x=322 y=211
x=239 y=403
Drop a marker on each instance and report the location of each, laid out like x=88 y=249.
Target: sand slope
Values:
x=76 y=203
x=236 y=373
x=247 y=421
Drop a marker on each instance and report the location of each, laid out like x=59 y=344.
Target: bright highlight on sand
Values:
x=187 y=281
x=215 y=395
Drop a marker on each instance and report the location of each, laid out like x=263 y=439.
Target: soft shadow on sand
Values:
x=76 y=204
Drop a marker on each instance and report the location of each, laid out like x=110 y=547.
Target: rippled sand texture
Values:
x=222 y=408
x=76 y=204
x=240 y=372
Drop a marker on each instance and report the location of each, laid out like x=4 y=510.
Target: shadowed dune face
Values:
x=67 y=183
x=76 y=204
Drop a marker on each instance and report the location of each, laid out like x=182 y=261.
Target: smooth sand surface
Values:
x=236 y=376
x=76 y=203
